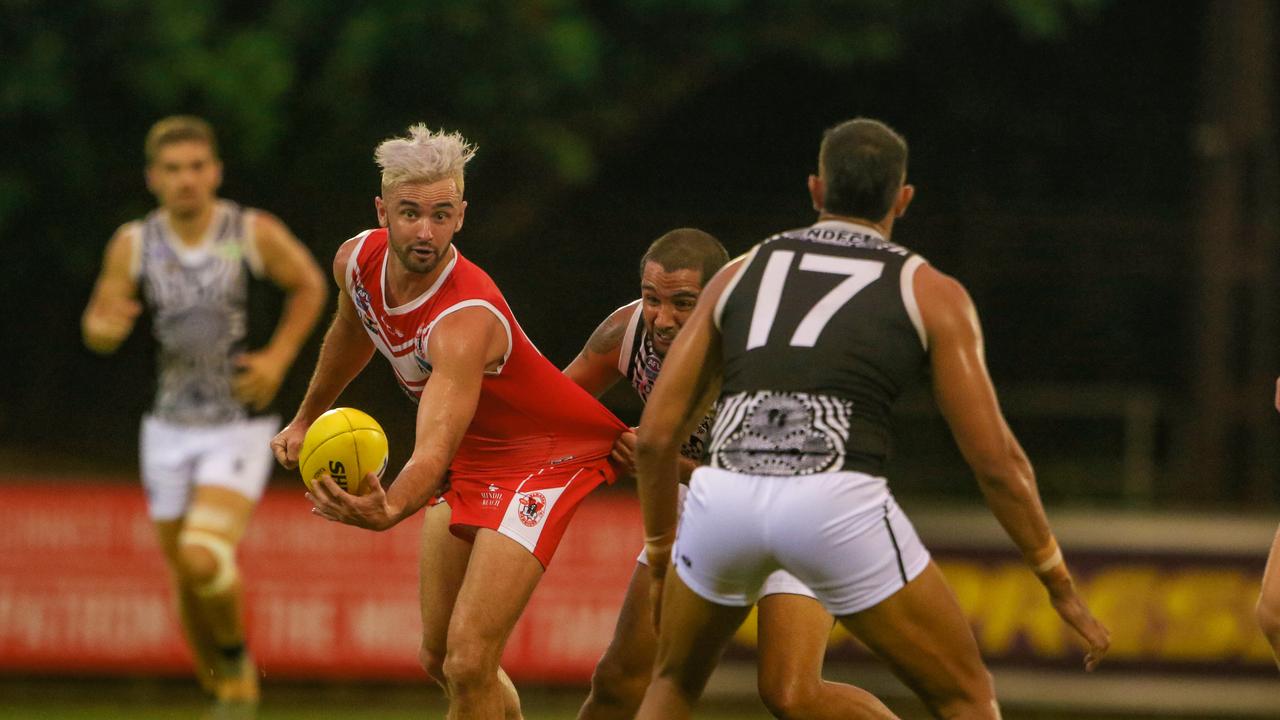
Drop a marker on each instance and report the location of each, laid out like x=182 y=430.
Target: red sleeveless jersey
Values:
x=530 y=416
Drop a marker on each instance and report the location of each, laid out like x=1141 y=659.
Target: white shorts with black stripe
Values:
x=779 y=582
x=841 y=534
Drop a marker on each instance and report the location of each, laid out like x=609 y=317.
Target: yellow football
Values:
x=347 y=444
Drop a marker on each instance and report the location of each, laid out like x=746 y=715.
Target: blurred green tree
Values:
x=301 y=91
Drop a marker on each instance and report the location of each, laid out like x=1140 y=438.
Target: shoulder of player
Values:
x=608 y=336
x=122 y=248
x=726 y=274
x=267 y=226
x=343 y=255
x=478 y=281
x=467 y=330
x=274 y=242
x=474 y=315
x=124 y=235
x=944 y=302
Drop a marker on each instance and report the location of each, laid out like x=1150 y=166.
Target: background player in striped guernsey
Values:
x=806 y=341
x=793 y=626
x=521 y=443
x=204 y=456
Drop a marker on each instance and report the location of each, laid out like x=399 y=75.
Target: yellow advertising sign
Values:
x=1196 y=612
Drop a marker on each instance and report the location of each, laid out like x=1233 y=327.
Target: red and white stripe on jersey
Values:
x=529 y=415
x=393 y=330
x=421 y=344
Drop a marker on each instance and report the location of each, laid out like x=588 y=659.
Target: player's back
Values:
x=529 y=415
x=820 y=334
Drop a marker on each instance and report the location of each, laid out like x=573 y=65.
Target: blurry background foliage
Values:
x=1049 y=141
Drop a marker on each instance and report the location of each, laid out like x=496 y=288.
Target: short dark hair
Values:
x=862 y=162
x=687 y=249
x=178 y=128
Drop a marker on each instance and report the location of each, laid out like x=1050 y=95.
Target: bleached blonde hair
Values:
x=423 y=157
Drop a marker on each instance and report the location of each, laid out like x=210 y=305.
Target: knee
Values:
x=975 y=697
x=432 y=661
x=787 y=697
x=196 y=565
x=206 y=562
x=468 y=665
x=616 y=683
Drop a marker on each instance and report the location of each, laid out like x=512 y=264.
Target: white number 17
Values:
x=859 y=274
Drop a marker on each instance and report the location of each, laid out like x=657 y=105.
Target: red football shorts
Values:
x=534 y=509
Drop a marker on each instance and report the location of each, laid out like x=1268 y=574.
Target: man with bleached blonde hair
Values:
x=203 y=446
x=506 y=446
x=424 y=157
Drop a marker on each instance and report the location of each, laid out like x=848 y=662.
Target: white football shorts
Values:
x=840 y=534
x=779 y=582
x=177 y=458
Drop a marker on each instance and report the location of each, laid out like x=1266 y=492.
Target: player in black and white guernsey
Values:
x=830 y=411
x=205 y=456
x=631 y=344
x=805 y=342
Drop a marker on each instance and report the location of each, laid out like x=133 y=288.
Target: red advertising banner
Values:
x=83 y=589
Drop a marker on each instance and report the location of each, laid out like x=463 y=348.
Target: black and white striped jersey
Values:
x=198 y=300
x=820 y=333
x=640 y=363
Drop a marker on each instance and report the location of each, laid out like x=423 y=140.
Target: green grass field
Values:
x=175 y=699
x=98 y=699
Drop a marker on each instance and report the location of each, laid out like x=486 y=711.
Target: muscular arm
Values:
x=461 y=346
x=684 y=391
x=290 y=266
x=968 y=402
x=345 y=352
x=113 y=307
x=595 y=369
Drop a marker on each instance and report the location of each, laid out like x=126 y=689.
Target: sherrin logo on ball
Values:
x=347 y=444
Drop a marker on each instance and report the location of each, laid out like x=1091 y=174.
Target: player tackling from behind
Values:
x=805 y=342
x=203 y=451
x=520 y=444
x=793 y=626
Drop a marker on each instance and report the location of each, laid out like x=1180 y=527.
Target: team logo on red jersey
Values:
x=532 y=507
x=364 y=306
x=420 y=349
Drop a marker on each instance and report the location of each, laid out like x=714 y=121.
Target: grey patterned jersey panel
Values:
x=778 y=433
x=197 y=297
